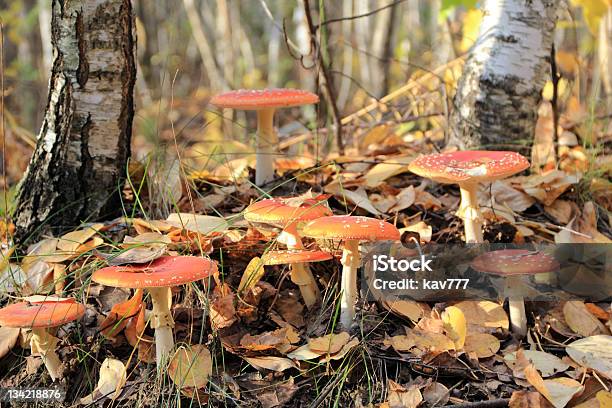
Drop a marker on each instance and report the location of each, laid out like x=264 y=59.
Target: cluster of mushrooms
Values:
x=297 y=219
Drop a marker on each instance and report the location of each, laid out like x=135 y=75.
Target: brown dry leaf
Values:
x=503 y=194
x=547 y=187
x=383 y=203
x=358 y=197
x=70 y=242
x=594 y=352
x=455 y=325
x=597 y=311
x=559 y=391
x=586 y=227
x=112 y=378
x=8 y=339
x=546 y=363
x=425 y=341
x=407 y=308
x=426 y=200
x=277 y=339
x=400 y=397
x=222 y=307
x=303 y=353
x=527 y=399
x=543 y=148
x=134 y=333
x=142 y=226
x=436 y=394
x=560 y=210
x=291 y=310
x=272 y=363
x=119 y=314
x=201 y=224
x=389 y=168
x=484 y=313
x=190 y=366
x=329 y=344
x=143 y=248
x=581 y=321
x=343 y=352
x=405 y=199
x=278 y=394
x=481 y=345
x=39 y=277
x=252 y=274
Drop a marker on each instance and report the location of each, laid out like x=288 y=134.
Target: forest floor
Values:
x=265 y=344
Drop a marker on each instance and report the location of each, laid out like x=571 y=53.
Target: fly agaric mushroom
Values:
x=351 y=230
x=264 y=102
x=41 y=316
x=287 y=214
x=158 y=278
x=467 y=169
x=512 y=264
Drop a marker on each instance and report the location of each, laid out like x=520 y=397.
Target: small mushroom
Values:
x=158 y=277
x=467 y=169
x=282 y=213
x=264 y=102
x=351 y=230
x=40 y=317
x=512 y=264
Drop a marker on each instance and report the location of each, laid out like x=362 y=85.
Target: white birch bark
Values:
x=500 y=89
x=84 y=141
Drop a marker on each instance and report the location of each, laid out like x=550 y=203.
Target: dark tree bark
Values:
x=499 y=92
x=77 y=168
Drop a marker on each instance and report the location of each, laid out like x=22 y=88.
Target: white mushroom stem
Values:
x=348 y=286
x=516 y=306
x=301 y=274
x=43 y=344
x=469 y=211
x=162 y=322
x=267 y=141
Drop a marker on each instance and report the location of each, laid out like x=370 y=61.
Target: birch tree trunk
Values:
x=80 y=159
x=500 y=89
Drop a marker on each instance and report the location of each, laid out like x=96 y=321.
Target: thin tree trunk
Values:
x=76 y=170
x=44 y=22
x=500 y=89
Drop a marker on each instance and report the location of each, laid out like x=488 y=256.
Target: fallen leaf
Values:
x=405 y=199
x=400 y=397
x=252 y=274
x=436 y=394
x=272 y=363
x=359 y=197
x=547 y=187
x=527 y=399
x=304 y=353
x=117 y=318
x=190 y=366
x=560 y=210
x=425 y=231
x=455 y=325
x=585 y=227
x=484 y=313
x=202 y=224
x=112 y=378
x=502 y=193
x=329 y=344
x=482 y=345
x=71 y=241
x=389 y=168
x=222 y=308
x=343 y=352
x=406 y=308
x=8 y=339
x=581 y=321
x=546 y=363
x=594 y=352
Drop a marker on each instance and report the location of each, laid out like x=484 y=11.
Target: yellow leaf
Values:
x=593 y=11
x=190 y=366
x=455 y=325
x=252 y=274
x=484 y=313
x=483 y=345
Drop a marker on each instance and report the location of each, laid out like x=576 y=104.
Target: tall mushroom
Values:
x=158 y=277
x=41 y=316
x=512 y=264
x=351 y=230
x=264 y=102
x=467 y=169
x=288 y=214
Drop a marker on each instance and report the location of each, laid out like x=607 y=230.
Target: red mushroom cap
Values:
x=469 y=166
x=352 y=228
x=41 y=314
x=507 y=262
x=294 y=256
x=166 y=271
x=277 y=211
x=255 y=99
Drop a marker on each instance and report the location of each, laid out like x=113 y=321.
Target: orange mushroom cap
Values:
x=278 y=211
x=294 y=256
x=166 y=271
x=469 y=166
x=41 y=314
x=508 y=262
x=351 y=227
x=255 y=99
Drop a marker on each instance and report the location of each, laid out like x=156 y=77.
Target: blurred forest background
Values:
x=191 y=49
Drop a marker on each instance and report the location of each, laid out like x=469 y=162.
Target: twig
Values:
x=326 y=83
x=496 y=403
x=369 y=13
x=555 y=97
